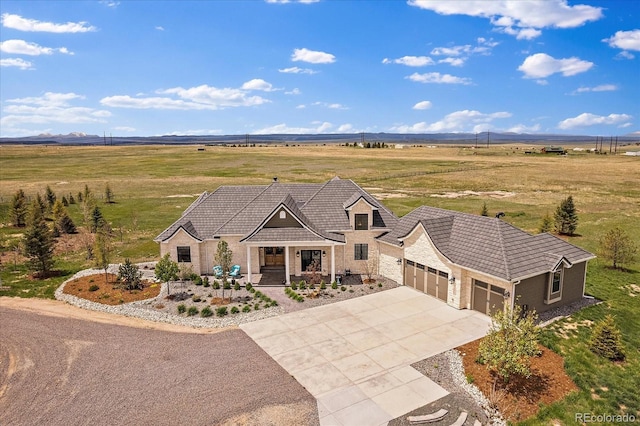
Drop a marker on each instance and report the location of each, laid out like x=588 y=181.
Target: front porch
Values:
x=271 y=277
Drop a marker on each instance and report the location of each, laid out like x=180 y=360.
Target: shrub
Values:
x=248 y=287
x=246 y=308
x=192 y=311
x=294 y=286
x=205 y=282
x=182 y=308
x=299 y=298
x=252 y=290
x=221 y=311
x=257 y=307
x=206 y=312
x=94 y=287
x=343 y=288
x=379 y=284
x=274 y=303
x=198 y=280
x=235 y=310
x=334 y=285
x=257 y=294
x=606 y=340
x=302 y=285
x=323 y=286
x=195 y=298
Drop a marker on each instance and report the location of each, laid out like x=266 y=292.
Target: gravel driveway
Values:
x=60 y=371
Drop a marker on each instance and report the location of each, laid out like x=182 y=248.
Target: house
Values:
x=468 y=261
x=553 y=150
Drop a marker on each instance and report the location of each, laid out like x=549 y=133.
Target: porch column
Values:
x=333 y=263
x=286 y=266
x=249 y=264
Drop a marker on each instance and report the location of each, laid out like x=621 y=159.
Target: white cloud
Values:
x=410 y=61
x=159 y=28
x=520 y=18
x=626 y=55
x=600 y=88
x=454 y=62
x=457 y=55
x=21 y=47
x=17 y=22
x=202 y=97
x=312 y=56
x=625 y=40
x=48 y=108
x=451 y=51
x=258 y=84
x=125 y=129
x=196 y=132
x=458 y=121
x=345 y=128
x=110 y=3
x=296 y=70
x=588 y=119
x=329 y=105
x=323 y=127
x=436 y=77
x=422 y=105
x=294 y=91
x=521 y=128
x=541 y=65
x=16 y=62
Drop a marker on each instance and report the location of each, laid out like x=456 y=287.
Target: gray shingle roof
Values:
x=240 y=210
x=486 y=244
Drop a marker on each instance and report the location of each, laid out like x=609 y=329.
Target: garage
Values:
x=487 y=297
x=426 y=279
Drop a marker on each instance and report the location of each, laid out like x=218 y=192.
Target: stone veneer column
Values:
x=249 y=264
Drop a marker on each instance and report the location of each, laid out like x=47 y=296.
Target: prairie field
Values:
x=152 y=185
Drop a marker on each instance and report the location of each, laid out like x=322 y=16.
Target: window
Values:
x=311 y=260
x=411 y=263
x=283 y=214
x=361 y=252
x=556 y=281
x=443 y=274
x=362 y=222
x=420 y=266
x=432 y=271
x=184 y=254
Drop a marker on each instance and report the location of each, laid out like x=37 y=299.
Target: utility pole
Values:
x=476 y=146
x=111 y=136
x=488 y=138
x=615 y=151
x=610 y=144
x=104 y=136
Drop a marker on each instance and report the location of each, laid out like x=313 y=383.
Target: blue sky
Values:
x=146 y=68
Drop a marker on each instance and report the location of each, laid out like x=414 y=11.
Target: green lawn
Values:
x=154 y=184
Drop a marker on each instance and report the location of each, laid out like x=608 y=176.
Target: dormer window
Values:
x=361 y=222
x=283 y=214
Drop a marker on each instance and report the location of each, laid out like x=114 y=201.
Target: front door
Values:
x=274 y=256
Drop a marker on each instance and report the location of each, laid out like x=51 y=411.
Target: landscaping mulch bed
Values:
x=109 y=291
x=520 y=398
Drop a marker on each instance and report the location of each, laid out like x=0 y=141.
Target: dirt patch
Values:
x=107 y=290
x=521 y=398
x=492 y=194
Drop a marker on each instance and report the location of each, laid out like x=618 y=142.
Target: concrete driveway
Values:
x=354 y=356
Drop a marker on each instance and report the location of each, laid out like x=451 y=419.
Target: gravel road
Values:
x=62 y=371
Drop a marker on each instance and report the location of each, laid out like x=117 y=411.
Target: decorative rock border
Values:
x=138 y=310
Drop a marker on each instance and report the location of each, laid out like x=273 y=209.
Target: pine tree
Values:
x=566 y=218
x=484 y=211
x=50 y=198
x=108 y=194
x=71 y=199
x=606 y=340
x=42 y=206
x=61 y=220
x=19 y=209
x=65 y=202
x=546 y=224
x=38 y=242
x=97 y=220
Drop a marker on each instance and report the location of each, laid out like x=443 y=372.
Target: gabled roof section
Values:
x=488 y=245
x=357 y=196
x=188 y=228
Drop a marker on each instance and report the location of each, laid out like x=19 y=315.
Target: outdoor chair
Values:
x=217 y=271
x=235 y=271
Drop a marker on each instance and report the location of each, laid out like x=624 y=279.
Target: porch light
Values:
x=452 y=280
x=506 y=294
x=298 y=253
x=324 y=253
x=399 y=261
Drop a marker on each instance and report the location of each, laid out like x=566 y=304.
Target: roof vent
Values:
x=275 y=178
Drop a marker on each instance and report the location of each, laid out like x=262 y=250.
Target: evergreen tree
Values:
x=108 y=194
x=65 y=202
x=61 y=220
x=38 y=242
x=484 y=211
x=42 y=206
x=50 y=198
x=606 y=340
x=130 y=275
x=617 y=247
x=71 y=199
x=97 y=220
x=546 y=225
x=566 y=218
x=19 y=209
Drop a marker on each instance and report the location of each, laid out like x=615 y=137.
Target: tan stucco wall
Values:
x=182 y=239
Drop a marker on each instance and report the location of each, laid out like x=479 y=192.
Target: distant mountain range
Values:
x=79 y=138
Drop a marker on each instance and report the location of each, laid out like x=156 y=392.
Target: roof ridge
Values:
x=317 y=192
x=242 y=209
x=376 y=200
x=507 y=270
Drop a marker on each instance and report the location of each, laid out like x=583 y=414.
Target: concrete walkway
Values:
x=354 y=356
